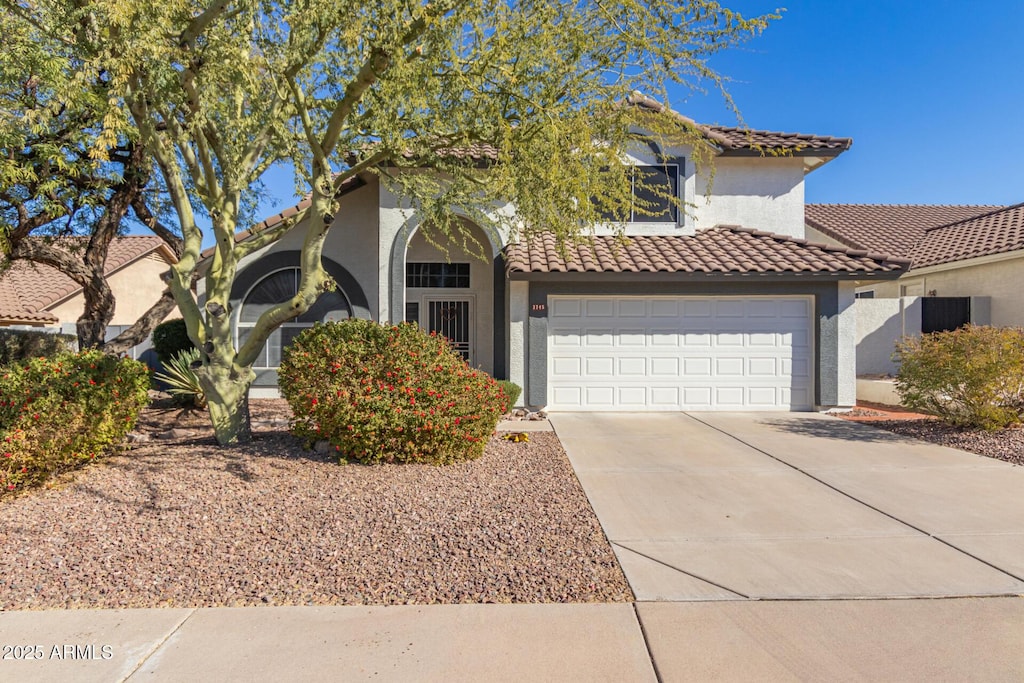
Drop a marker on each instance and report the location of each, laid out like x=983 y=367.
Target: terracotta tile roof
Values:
x=724 y=249
x=28 y=289
x=747 y=140
x=997 y=232
x=885 y=228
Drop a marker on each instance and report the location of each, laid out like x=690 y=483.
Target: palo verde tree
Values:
x=62 y=175
x=416 y=92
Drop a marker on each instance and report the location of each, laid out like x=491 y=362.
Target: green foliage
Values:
x=457 y=107
x=20 y=345
x=59 y=413
x=970 y=377
x=388 y=394
x=181 y=380
x=170 y=338
x=511 y=391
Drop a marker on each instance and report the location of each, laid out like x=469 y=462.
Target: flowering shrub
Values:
x=61 y=412
x=383 y=393
x=970 y=377
x=512 y=391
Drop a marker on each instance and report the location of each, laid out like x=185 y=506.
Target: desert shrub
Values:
x=181 y=380
x=19 y=345
x=970 y=377
x=512 y=392
x=59 y=413
x=170 y=338
x=382 y=393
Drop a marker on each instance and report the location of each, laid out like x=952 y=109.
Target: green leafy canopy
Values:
x=501 y=102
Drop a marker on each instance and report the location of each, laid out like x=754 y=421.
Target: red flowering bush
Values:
x=61 y=412
x=382 y=393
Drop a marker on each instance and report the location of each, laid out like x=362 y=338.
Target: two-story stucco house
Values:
x=720 y=308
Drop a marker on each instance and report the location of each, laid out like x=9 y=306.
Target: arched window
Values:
x=277 y=288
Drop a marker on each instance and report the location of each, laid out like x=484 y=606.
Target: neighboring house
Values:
x=33 y=295
x=967 y=265
x=955 y=251
x=723 y=307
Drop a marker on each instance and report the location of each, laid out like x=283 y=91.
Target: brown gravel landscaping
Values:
x=179 y=522
x=1003 y=444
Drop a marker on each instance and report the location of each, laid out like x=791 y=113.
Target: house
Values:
x=724 y=307
x=33 y=295
x=955 y=251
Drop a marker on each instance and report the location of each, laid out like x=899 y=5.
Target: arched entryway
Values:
x=450 y=289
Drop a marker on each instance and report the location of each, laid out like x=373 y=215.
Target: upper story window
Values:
x=654 y=188
x=448 y=275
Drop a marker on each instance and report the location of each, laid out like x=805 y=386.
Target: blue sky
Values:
x=930 y=91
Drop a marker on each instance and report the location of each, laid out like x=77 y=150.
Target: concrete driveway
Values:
x=734 y=506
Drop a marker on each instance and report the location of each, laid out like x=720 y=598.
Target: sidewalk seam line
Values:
x=857 y=500
x=647 y=644
x=681 y=571
x=145 y=658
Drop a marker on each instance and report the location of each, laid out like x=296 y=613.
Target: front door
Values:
x=450 y=318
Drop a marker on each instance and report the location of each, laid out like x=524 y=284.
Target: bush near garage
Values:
x=388 y=393
x=970 y=377
x=512 y=392
x=59 y=413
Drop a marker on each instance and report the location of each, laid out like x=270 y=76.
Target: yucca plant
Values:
x=181 y=379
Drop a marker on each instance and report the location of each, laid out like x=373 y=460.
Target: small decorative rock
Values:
x=323 y=446
x=174 y=434
x=519 y=413
x=137 y=437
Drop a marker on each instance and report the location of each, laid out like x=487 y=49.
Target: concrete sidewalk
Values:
x=907 y=640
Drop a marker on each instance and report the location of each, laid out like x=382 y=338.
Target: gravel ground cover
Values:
x=1004 y=444
x=179 y=522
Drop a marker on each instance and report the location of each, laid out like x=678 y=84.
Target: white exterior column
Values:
x=518 y=309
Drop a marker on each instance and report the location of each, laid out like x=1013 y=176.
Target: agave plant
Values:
x=181 y=379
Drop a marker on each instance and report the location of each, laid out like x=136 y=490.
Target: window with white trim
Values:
x=277 y=288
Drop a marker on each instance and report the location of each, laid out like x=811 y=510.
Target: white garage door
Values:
x=679 y=353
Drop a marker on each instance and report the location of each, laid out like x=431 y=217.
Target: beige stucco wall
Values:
x=1002 y=281
x=136 y=288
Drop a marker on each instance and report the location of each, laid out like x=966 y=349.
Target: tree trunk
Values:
x=91 y=326
x=227 y=398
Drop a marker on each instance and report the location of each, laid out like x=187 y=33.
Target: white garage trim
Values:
x=667 y=353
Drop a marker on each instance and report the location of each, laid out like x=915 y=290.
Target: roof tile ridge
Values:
x=789 y=239
x=1001 y=209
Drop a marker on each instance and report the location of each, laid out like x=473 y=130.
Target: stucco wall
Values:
x=812 y=235
x=1003 y=281
x=756 y=192
x=351 y=242
x=881 y=322
x=136 y=288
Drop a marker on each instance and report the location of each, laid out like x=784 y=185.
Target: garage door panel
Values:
x=566 y=308
x=599 y=308
x=664 y=308
x=679 y=353
x=632 y=367
x=632 y=337
x=632 y=308
x=567 y=366
x=600 y=366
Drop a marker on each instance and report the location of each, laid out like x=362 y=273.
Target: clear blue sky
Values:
x=932 y=93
